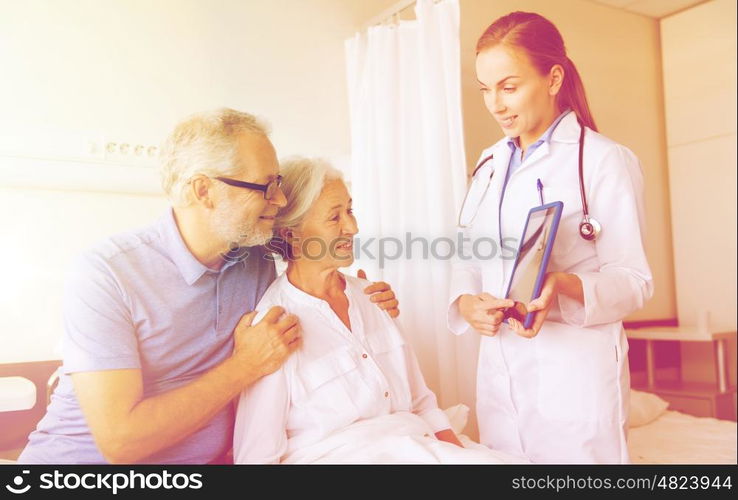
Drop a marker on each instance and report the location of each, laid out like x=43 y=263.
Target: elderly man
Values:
x=158 y=340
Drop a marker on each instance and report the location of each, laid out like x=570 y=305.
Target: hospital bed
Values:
x=658 y=435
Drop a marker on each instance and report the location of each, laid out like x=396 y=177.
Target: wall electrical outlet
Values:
x=122 y=151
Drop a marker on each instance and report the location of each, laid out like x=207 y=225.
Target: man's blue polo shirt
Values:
x=141 y=300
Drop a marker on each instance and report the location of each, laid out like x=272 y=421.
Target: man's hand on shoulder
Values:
x=382 y=295
x=262 y=348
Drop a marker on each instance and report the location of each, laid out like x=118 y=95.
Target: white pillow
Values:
x=457 y=417
x=645 y=407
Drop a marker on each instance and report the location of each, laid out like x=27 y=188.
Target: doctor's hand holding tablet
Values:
x=484 y=312
x=553 y=379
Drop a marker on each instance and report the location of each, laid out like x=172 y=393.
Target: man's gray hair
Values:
x=204 y=143
x=302 y=181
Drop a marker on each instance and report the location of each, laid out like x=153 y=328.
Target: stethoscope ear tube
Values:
x=465 y=215
x=482 y=163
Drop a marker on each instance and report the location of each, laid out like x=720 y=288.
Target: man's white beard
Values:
x=245 y=234
x=253 y=237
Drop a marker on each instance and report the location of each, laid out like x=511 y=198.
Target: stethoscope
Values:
x=589 y=228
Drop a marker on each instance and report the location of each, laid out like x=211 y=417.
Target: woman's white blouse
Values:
x=336 y=377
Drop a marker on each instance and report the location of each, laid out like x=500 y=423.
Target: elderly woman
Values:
x=353 y=392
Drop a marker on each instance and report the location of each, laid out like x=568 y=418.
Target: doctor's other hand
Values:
x=382 y=295
x=262 y=348
x=540 y=306
x=484 y=312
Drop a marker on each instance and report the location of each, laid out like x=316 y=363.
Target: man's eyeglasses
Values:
x=269 y=189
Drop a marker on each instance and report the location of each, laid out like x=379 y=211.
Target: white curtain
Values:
x=408 y=177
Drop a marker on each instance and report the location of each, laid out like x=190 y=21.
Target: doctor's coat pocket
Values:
x=567 y=234
x=577 y=373
x=564 y=243
x=329 y=383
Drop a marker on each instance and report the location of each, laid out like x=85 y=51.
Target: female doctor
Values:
x=556 y=392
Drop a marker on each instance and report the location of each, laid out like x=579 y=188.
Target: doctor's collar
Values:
x=513 y=142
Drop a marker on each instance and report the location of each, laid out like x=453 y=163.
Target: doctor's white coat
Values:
x=561 y=397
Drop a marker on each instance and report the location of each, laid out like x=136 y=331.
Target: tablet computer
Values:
x=531 y=260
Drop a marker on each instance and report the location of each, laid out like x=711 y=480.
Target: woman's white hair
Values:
x=204 y=143
x=302 y=181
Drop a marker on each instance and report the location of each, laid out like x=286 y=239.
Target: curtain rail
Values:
x=390 y=12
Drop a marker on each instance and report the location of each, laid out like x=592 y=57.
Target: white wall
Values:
x=75 y=72
x=43 y=230
x=699 y=60
x=130 y=69
x=699 y=47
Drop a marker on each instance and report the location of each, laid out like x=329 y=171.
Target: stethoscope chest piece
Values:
x=589 y=228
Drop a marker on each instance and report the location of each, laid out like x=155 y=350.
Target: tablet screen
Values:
x=530 y=259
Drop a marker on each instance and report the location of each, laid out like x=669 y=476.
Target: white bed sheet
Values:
x=678 y=438
x=397 y=438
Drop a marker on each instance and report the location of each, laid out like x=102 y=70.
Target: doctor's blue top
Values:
x=516 y=159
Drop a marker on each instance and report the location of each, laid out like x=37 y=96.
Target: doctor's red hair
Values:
x=543 y=44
